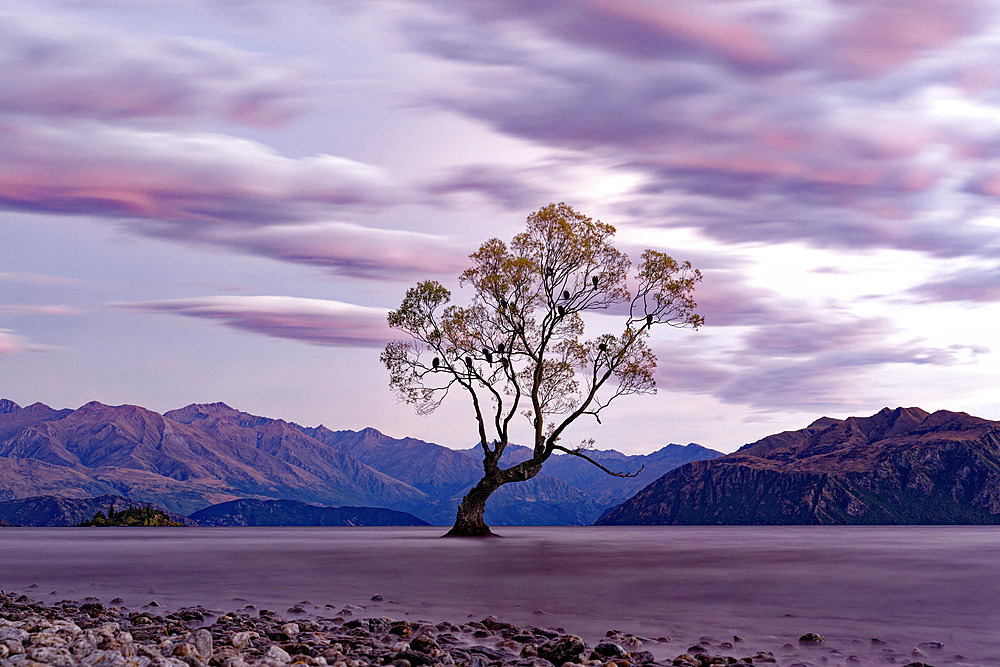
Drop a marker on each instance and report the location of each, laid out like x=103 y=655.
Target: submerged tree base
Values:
x=463 y=532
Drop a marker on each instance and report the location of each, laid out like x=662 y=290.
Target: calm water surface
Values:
x=904 y=585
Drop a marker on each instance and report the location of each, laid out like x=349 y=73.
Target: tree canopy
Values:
x=518 y=347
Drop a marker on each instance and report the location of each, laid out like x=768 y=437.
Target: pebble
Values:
x=90 y=633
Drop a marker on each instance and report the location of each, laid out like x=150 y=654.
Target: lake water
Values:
x=902 y=585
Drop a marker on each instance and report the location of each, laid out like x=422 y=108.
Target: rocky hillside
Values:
x=205 y=454
x=902 y=466
x=248 y=512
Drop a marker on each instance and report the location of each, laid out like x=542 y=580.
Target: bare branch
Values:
x=577 y=452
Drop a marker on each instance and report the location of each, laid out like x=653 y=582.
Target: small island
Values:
x=133 y=516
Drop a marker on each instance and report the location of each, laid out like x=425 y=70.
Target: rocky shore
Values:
x=90 y=632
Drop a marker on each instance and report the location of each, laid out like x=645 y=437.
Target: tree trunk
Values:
x=469 y=520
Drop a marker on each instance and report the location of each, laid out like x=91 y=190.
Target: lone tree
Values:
x=518 y=346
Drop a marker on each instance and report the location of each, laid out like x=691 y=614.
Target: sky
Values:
x=219 y=200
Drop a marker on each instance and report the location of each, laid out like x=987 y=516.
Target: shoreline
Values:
x=90 y=631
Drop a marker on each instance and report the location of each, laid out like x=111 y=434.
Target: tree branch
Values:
x=577 y=452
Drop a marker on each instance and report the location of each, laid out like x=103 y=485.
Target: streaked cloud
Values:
x=969 y=285
x=782 y=355
x=319 y=321
x=344 y=248
x=56 y=68
x=861 y=126
x=26 y=277
x=34 y=309
x=13 y=343
x=193 y=177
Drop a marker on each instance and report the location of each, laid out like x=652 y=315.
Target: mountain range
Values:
x=204 y=454
x=901 y=466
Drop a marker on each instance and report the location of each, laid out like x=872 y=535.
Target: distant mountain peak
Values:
x=190 y=413
x=8 y=406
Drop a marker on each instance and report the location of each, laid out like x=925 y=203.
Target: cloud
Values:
x=95 y=169
x=862 y=126
x=12 y=343
x=37 y=278
x=28 y=309
x=980 y=285
x=875 y=38
x=780 y=355
x=352 y=250
x=317 y=321
x=508 y=187
x=55 y=69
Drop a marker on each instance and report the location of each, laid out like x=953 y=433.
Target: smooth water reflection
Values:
x=900 y=583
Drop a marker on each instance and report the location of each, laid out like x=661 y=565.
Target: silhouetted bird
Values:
x=649 y=320
x=566 y=294
x=593 y=279
x=562 y=311
x=488 y=355
x=468 y=362
x=602 y=347
x=435 y=363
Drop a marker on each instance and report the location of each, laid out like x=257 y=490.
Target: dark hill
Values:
x=901 y=466
x=248 y=512
x=60 y=511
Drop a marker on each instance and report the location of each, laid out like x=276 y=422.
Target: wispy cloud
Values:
x=37 y=278
x=34 y=309
x=319 y=321
x=344 y=248
x=13 y=343
x=58 y=69
x=776 y=354
x=868 y=126
x=969 y=285
x=173 y=177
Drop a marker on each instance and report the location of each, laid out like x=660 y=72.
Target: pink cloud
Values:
x=57 y=69
x=881 y=36
x=37 y=278
x=318 y=321
x=12 y=343
x=28 y=309
x=733 y=40
x=93 y=168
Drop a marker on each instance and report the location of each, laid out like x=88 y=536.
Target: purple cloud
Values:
x=343 y=248
x=37 y=278
x=509 y=188
x=972 y=285
x=204 y=188
x=751 y=124
x=89 y=168
x=317 y=321
x=12 y=343
x=30 y=309
x=58 y=69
